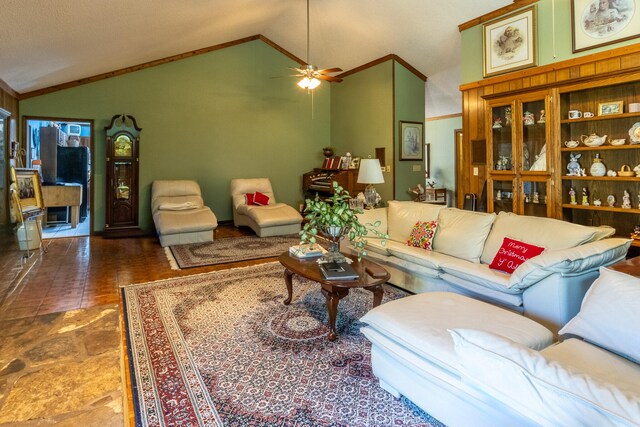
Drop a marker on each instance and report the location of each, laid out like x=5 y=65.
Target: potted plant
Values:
x=334 y=219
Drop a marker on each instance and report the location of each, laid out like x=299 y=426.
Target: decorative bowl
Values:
x=619 y=141
x=571 y=144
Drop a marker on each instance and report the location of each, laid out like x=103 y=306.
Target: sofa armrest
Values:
x=370 y=217
x=569 y=262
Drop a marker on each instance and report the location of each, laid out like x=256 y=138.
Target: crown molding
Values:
x=517 y=4
x=5 y=87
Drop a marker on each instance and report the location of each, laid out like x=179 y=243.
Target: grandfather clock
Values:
x=123 y=151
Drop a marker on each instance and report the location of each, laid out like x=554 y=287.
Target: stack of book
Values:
x=307 y=251
x=335 y=271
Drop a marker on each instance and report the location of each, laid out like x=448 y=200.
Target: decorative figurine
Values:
x=543 y=118
x=526 y=198
x=611 y=200
x=498 y=195
x=598 y=168
x=536 y=197
x=626 y=200
x=636 y=232
x=585 y=196
x=497 y=123
x=572 y=196
x=528 y=118
x=573 y=166
x=507 y=116
x=597 y=201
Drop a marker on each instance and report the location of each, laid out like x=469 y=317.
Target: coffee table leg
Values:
x=378 y=292
x=288 y=275
x=333 y=297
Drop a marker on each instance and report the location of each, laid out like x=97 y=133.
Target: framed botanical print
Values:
x=411 y=140
x=596 y=23
x=510 y=42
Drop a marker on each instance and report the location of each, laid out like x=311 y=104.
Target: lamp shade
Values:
x=370 y=172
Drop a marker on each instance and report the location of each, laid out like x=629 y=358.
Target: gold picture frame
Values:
x=510 y=42
x=28 y=189
x=609 y=108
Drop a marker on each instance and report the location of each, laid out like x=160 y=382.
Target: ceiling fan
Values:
x=310 y=74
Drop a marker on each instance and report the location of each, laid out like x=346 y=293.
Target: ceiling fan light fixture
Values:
x=309 y=83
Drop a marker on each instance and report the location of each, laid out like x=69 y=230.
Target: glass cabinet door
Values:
x=533 y=155
x=535 y=197
x=502 y=138
x=502 y=196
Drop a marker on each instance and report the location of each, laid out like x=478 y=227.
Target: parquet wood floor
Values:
x=83 y=272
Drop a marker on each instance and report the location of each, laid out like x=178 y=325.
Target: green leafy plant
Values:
x=323 y=215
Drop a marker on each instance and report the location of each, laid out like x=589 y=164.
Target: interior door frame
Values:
x=91 y=154
x=4 y=116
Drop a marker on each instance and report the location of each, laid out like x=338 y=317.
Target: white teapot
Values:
x=593 y=140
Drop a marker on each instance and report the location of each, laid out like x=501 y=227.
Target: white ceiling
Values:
x=48 y=42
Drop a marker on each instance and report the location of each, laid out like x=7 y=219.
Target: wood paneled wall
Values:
x=609 y=64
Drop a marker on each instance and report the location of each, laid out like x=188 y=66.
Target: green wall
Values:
x=440 y=134
x=226 y=114
x=471 y=41
x=362 y=117
x=409 y=106
x=365 y=110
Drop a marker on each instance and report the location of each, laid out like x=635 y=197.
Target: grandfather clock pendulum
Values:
x=123 y=146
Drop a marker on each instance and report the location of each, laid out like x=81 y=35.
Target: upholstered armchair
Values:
x=179 y=213
x=255 y=206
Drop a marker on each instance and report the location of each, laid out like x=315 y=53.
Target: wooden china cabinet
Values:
x=123 y=150
x=519 y=158
x=505 y=113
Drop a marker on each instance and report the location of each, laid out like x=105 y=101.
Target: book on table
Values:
x=338 y=271
x=307 y=251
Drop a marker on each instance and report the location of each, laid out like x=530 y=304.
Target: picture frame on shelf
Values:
x=411 y=140
x=355 y=163
x=608 y=108
x=593 y=26
x=28 y=188
x=510 y=42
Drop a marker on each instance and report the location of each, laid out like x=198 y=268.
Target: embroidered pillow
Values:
x=422 y=234
x=249 y=199
x=261 y=199
x=512 y=253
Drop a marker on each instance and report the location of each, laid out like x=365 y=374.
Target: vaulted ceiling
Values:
x=44 y=43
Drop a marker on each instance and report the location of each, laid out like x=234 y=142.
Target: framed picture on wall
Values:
x=596 y=23
x=510 y=42
x=411 y=140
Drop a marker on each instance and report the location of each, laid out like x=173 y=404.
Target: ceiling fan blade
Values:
x=330 y=70
x=329 y=78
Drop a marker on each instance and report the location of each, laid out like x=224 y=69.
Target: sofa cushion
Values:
x=549 y=233
x=272 y=215
x=479 y=274
x=420 y=322
x=422 y=234
x=374 y=244
x=417 y=256
x=512 y=253
x=462 y=233
x=610 y=314
x=185 y=221
x=549 y=392
x=402 y=216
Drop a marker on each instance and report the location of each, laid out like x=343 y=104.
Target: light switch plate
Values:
x=475 y=171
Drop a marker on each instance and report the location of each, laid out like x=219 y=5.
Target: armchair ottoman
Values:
x=179 y=213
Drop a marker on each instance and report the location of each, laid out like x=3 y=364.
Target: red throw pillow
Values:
x=261 y=199
x=422 y=234
x=512 y=253
x=249 y=199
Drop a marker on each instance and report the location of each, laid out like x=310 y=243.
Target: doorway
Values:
x=61 y=149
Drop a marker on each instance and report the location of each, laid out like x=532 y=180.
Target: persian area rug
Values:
x=221 y=349
x=231 y=249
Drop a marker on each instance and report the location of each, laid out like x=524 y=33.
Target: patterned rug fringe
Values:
x=172 y=261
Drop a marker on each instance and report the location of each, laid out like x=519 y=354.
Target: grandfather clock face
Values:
x=123 y=146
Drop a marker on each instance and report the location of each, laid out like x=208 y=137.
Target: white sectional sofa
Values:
x=468 y=363
x=547 y=288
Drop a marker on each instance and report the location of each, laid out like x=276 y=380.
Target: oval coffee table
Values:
x=372 y=277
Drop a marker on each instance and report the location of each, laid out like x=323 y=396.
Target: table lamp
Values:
x=370 y=174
